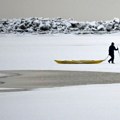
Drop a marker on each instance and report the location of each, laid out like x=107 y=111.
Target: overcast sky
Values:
x=76 y=9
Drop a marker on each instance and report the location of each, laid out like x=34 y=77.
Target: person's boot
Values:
x=113 y=62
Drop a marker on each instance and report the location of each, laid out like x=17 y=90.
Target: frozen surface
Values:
x=38 y=52
x=94 y=102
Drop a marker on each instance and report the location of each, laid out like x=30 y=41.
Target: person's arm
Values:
x=115 y=48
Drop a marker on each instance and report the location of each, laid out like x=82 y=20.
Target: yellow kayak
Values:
x=79 y=61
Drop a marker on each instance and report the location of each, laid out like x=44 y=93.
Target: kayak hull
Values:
x=78 y=61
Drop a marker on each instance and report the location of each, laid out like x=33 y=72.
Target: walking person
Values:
x=111 y=52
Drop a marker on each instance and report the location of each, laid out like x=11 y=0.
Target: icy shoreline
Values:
x=58 y=25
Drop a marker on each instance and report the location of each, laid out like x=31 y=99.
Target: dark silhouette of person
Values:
x=111 y=52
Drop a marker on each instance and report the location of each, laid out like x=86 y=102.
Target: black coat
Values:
x=112 y=49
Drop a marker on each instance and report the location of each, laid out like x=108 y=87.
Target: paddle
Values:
x=118 y=51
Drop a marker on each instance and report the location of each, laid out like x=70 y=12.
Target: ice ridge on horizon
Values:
x=58 y=25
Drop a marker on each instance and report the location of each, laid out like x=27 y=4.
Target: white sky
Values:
x=77 y=9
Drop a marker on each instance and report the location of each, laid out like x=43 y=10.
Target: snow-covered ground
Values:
x=38 y=52
x=94 y=102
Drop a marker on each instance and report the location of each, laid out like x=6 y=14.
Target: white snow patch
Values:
x=92 y=102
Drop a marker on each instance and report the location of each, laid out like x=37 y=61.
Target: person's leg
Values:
x=112 y=59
